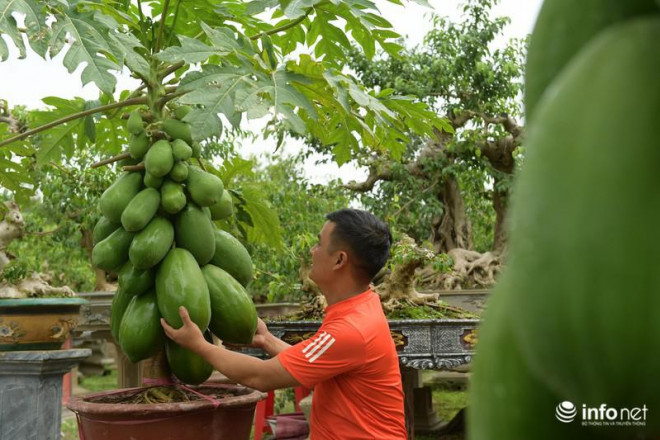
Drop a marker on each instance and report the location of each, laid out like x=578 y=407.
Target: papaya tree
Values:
x=452 y=188
x=204 y=68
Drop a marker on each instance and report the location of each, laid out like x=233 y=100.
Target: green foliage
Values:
x=301 y=207
x=243 y=67
x=57 y=219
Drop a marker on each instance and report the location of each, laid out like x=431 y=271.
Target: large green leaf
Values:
x=89 y=40
x=35 y=27
x=266 y=223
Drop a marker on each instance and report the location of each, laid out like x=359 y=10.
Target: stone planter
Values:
x=37 y=323
x=422 y=344
x=195 y=420
x=31 y=392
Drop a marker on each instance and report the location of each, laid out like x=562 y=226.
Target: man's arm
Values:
x=267 y=341
x=241 y=368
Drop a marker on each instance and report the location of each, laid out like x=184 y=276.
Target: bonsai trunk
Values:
x=453 y=229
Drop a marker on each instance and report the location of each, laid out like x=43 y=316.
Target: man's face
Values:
x=322 y=258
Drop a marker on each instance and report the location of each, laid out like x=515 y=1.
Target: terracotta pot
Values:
x=196 y=420
x=37 y=323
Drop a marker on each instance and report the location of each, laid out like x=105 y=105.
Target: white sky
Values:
x=27 y=81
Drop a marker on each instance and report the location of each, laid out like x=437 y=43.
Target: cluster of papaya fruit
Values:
x=572 y=323
x=157 y=233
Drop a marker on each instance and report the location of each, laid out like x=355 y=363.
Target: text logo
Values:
x=566 y=412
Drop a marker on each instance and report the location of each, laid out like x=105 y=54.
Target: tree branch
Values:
x=376 y=172
x=126 y=103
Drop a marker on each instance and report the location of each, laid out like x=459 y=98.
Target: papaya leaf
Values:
x=234 y=167
x=266 y=223
x=36 y=29
x=204 y=124
x=190 y=51
x=296 y=8
x=124 y=46
x=215 y=88
x=89 y=33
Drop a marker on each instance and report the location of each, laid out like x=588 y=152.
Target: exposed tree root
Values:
x=471 y=270
x=35 y=286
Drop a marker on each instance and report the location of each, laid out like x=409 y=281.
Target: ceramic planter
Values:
x=37 y=323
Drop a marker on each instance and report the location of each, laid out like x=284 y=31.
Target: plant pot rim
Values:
x=123 y=411
x=20 y=302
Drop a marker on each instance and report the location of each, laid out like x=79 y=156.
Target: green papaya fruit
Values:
x=134 y=125
x=172 y=197
x=186 y=365
x=179 y=282
x=117 y=196
x=233 y=315
x=194 y=231
x=232 y=256
x=181 y=149
x=159 y=160
x=182 y=111
x=134 y=281
x=152 y=243
x=207 y=211
x=141 y=209
x=506 y=401
x=140 y=332
x=562 y=28
x=152 y=181
x=177 y=130
x=138 y=145
x=204 y=188
x=196 y=150
x=112 y=252
x=120 y=301
x=179 y=172
x=223 y=208
x=103 y=228
x=584 y=241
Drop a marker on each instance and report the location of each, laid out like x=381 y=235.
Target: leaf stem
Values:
x=161 y=28
x=176 y=16
x=126 y=103
x=113 y=159
x=295 y=22
x=138 y=167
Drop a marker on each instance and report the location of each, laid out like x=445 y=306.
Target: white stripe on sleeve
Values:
x=327 y=345
x=310 y=346
x=319 y=345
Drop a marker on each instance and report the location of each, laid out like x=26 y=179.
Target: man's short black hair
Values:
x=367 y=237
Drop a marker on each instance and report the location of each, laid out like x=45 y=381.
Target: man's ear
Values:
x=342 y=259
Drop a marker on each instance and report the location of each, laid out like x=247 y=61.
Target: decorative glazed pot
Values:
x=230 y=419
x=37 y=323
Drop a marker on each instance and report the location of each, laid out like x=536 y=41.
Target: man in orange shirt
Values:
x=351 y=362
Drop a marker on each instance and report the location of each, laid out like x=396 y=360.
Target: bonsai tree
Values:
x=15 y=280
x=452 y=188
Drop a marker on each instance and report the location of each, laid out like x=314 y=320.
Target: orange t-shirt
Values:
x=353 y=367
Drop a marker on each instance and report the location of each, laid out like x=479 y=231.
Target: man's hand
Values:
x=188 y=336
x=259 y=338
